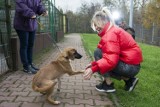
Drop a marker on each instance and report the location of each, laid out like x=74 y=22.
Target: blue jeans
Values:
x=121 y=70
x=26 y=46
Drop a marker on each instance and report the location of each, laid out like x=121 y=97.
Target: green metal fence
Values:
x=5 y=34
x=50 y=24
x=53 y=22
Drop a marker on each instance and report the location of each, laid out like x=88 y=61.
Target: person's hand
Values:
x=88 y=66
x=34 y=16
x=45 y=13
x=88 y=74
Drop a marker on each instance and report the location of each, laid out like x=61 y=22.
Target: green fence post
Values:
x=8 y=23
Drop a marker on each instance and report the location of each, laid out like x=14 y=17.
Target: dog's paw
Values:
x=44 y=93
x=82 y=71
x=57 y=102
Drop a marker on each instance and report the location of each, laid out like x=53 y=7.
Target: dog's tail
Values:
x=44 y=88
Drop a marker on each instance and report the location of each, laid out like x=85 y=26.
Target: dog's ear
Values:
x=63 y=57
x=65 y=54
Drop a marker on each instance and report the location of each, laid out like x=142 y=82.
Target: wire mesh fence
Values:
x=4 y=38
x=149 y=36
x=53 y=22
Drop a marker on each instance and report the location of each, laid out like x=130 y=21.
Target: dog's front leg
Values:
x=75 y=72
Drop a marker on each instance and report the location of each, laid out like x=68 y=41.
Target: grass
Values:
x=147 y=91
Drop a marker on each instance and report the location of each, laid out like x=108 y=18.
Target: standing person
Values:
x=25 y=25
x=117 y=54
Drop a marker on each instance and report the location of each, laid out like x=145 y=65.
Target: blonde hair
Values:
x=100 y=18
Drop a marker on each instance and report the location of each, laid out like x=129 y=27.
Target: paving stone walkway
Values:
x=16 y=91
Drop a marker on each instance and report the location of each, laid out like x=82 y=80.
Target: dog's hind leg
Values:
x=45 y=86
x=59 y=84
x=49 y=96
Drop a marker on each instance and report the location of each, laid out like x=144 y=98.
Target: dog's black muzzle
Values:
x=77 y=55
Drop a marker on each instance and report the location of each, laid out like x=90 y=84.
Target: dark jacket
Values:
x=131 y=31
x=116 y=45
x=25 y=9
x=128 y=29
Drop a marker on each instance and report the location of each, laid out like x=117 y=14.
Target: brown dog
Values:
x=43 y=81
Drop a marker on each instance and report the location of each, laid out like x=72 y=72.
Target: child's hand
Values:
x=88 y=66
x=34 y=16
x=88 y=74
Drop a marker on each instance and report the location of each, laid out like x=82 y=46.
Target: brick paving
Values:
x=16 y=91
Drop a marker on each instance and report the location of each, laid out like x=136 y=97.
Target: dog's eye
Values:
x=75 y=53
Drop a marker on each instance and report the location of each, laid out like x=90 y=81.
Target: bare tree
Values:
x=80 y=21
